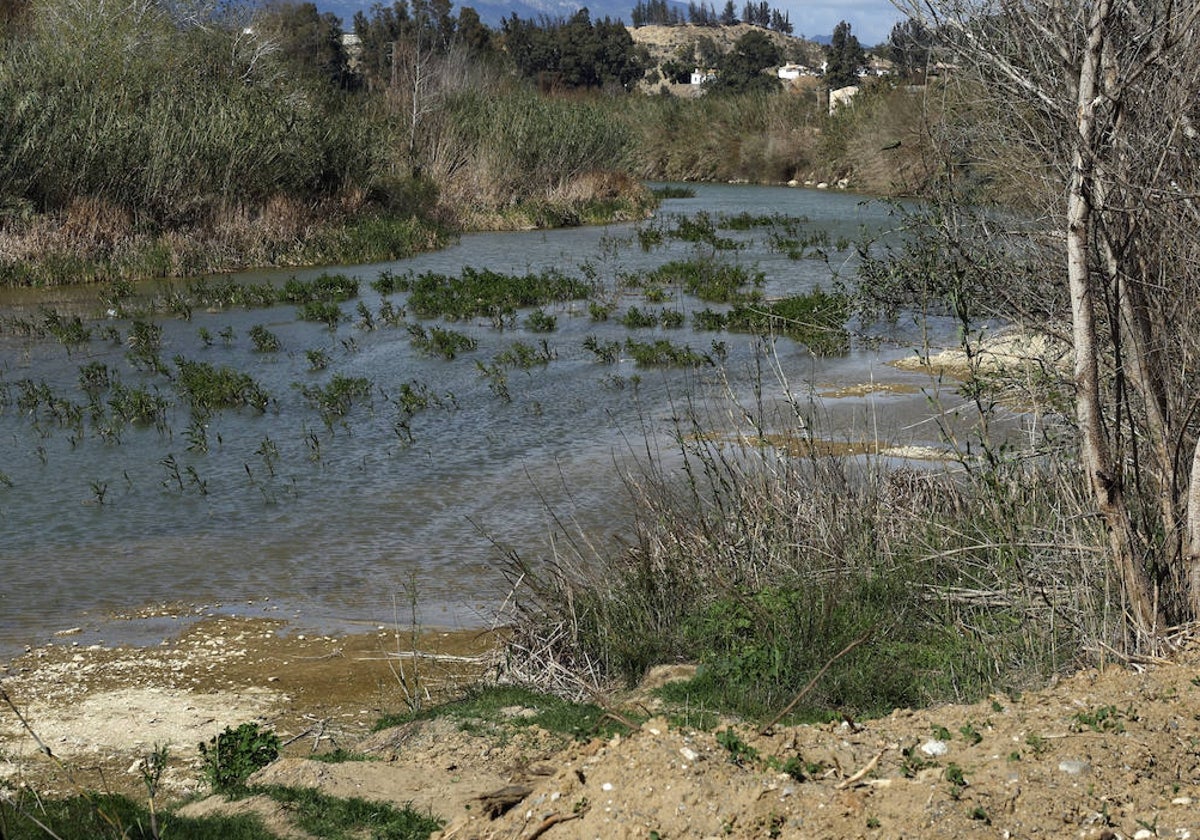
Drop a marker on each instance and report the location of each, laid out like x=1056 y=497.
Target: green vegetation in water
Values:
x=322 y=312
x=335 y=288
x=608 y=352
x=662 y=353
x=522 y=355
x=210 y=388
x=817 y=320
x=712 y=281
x=701 y=229
x=336 y=397
x=68 y=331
x=540 y=321
x=438 y=341
x=139 y=405
x=750 y=221
x=635 y=318
x=144 y=343
x=672 y=191
x=264 y=340
x=488 y=294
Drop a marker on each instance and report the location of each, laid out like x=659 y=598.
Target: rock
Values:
x=935 y=748
x=688 y=753
x=70 y=631
x=1074 y=767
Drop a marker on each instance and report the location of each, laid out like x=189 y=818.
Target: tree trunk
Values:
x=1105 y=481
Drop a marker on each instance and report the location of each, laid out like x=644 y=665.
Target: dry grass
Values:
x=761 y=564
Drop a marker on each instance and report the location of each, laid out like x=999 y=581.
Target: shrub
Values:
x=230 y=758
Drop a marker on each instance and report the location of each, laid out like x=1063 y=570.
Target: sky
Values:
x=871 y=21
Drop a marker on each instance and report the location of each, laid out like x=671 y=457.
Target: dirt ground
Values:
x=1102 y=754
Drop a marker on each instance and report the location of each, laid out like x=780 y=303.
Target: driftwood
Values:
x=499 y=802
x=549 y=823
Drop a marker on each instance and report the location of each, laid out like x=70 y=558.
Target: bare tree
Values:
x=1099 y=96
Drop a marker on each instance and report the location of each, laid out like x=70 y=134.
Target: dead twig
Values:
x=867 y=768
x=811 y=683
x=549 y=823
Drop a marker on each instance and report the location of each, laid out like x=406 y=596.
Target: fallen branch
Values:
x=867 y=768
x=550 y=822
x=811 y=683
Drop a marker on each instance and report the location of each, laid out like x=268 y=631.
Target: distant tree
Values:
x=473 y=33
x=701 y=14
x=310 y=42
x=705 y=52
x=741 y=70
x=575 y=53
x=844 y=55
x=781 y=22
x=757 y=14
x=655 y=13
x=729 y=14
x=377 y=37
x=908 y=46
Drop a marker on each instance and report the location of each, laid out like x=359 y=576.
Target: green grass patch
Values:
x=496 y=708
x=332 y=818
x=114 y=817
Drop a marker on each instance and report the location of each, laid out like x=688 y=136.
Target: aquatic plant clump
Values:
x=817 y=320
x=709 y=280
x=210 y=388
x=486 y=293
x=336 y=398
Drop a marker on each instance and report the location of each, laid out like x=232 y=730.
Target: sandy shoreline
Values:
x=100 y=708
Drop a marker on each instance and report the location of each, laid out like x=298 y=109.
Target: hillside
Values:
x=665 y=42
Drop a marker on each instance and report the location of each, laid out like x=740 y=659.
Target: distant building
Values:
x=699 y=76
x=791 y=72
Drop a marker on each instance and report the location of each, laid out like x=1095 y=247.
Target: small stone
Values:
x=607 y=786
x=1143 y=834
x=688 y=753
x=1182 y=800
x=1074 y=767
x=935 y=748
x=70 y=631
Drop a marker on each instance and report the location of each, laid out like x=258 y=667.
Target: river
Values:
x=344 y=525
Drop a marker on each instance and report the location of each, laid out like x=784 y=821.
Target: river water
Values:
x=338 y=526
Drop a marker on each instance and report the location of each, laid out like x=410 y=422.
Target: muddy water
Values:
x=345 y=524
